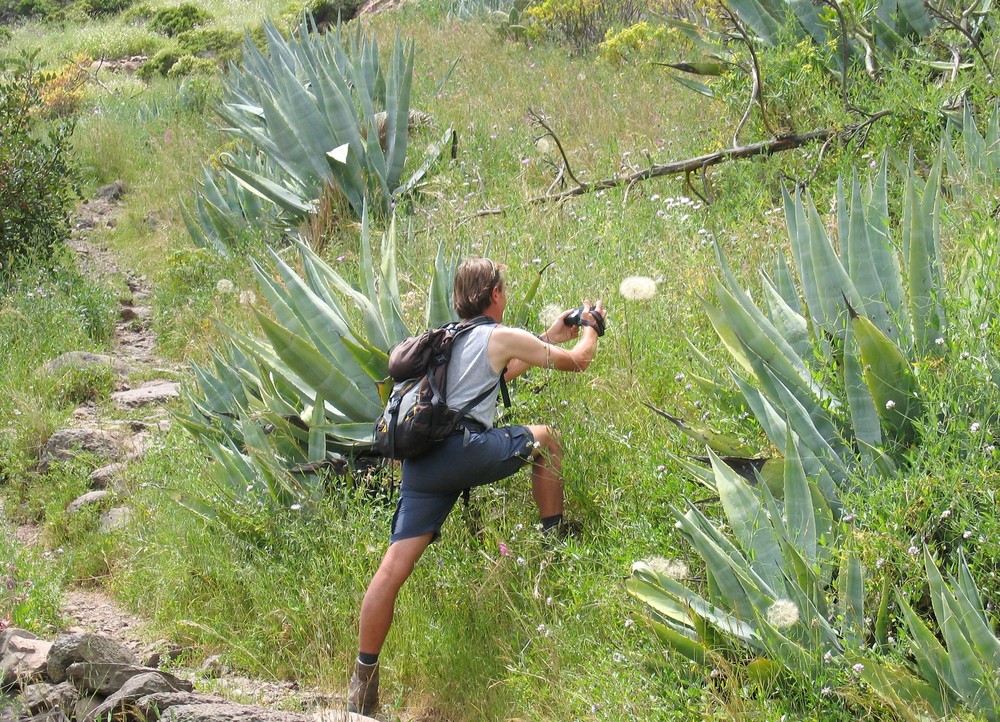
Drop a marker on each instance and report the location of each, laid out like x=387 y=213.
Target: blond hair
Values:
x=474 y=283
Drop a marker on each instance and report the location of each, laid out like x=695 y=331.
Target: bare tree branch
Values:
x=703 y=162
x=959 y=25
x=757 y=91
x=539 y=120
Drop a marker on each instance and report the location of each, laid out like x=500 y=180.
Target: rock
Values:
x=66 y=443
x=85 y=707
x=23 y=661
x=213 y=667
x=43 y=697
x=114 y=518
x=110 y=678
x=12 y=632
x=85 y=647
x=236 y=713
x=84 y=360
x=102 y=478
x=159 y=651
x=141 y=685
x=154 y=392
x=112 y=191
x=89 y=499
x=339 y=715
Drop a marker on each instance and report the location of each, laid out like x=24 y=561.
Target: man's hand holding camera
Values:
x=568 y=324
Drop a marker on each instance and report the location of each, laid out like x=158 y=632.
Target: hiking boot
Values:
x=362 y=693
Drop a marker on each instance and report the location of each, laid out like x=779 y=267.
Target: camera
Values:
x=575 y=318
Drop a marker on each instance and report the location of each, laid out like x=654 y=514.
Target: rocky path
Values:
x=133 y=349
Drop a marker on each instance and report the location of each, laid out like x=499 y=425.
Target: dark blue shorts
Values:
x=432 y=483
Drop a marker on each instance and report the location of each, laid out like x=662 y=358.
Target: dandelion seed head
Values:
x=225 y=286
x=783 y=614
x=548 y=314
x=638 y=288
x=670 y=568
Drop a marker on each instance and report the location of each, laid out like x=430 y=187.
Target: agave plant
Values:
x=945 y=677
x=769 y=596
x=314 y=112
x=827 y=358
x=275 y=411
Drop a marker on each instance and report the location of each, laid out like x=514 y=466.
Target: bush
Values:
x=211 y=43
x=190 y=65
x=176 y=20
x=137 y=14
x=581 y=24
x=104 y=8
x=159 y=64
x=82 y=385
x=196 y=93
x=62 y=92
x=5 y=35
x=36 y=174
x=12 y=10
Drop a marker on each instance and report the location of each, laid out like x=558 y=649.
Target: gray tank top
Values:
x=469 y=374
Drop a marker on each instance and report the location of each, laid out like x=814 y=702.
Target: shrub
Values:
x=12 y=10
x=81 y=385
x=103 y=8
x=639 y=41
x=176 y=20
x=5 y=35
x=62 y=92
x=196 y=92
x=211 y=43
x=36 y=174
x=137 y=14
x=159 y=64
x=581 y=24
x=190 y=65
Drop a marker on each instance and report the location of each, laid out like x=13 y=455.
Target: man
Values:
x=477 y=454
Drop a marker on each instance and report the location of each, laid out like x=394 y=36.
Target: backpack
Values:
x=417 y=417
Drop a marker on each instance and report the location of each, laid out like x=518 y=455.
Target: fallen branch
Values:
x=693 y=165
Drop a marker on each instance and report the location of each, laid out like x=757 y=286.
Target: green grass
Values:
x=548 y=633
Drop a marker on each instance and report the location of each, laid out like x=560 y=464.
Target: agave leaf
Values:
x=792 y=326
x=698 y=67
x=521 y=319
x=864 y=415
x=434 y=152
x=681 y=643
x=269 y=190
x=750 y=524
x=931 y=656
x=911 y=698
x=719 y=442
x=800 y=516
x=890 y=381
x=850 y=584
x=970 y=620
x=313 y=368
x=694 y=85
x=968 y=672
x=861 y=263
x=798 y=234
x=832 y=282
x=922 y=261
x=765 y=25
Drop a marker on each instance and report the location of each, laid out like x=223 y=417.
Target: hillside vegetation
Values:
x=806 y=530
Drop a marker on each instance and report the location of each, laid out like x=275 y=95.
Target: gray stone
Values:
x=84 y=360
x=67 y=443
x=114 y=519
x=85 y=647
x=154 y=392
x=12 y=632
x=86 y=705
x=43 y=697
x=91 y=498
x=235 y=713
x=110 y=677
x=23 y=661
x=340 y=715
x=106 y=476
x=154 y=705
x=112 y=191
x=141 y=685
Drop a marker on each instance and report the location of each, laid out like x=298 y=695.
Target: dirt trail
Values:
x=134 y=343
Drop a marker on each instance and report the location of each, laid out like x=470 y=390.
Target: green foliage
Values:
x=196 y=94
x=211 y=43
x=13 y=10
x=36 y=173
x=159 y=64
x=172 y=21
x=581 y=24
x=103 y=8
x=77 y=386
x=30 y=587
x=641 y=41
x=277 y=412
x=190 y=65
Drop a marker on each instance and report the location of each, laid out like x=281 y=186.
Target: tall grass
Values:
x=547 y=632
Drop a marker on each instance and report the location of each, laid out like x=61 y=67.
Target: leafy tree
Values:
x=37 y=177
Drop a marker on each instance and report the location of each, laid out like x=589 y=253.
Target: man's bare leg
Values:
x=546 y=481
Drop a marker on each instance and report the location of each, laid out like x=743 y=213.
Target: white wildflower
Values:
x=783 y=614
x=858 y=668
x=638 y=288
x=939 y=341
x=946 y=513
x=826 y=691
x=225 y=286
x=890 y=404
x=828 y=657
x=965 y=355
x=549 y=313
x=670 y=568
x=975 y=427
x=966 y=534
x=913 y=551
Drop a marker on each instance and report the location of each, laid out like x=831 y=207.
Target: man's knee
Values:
x=547 y=438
